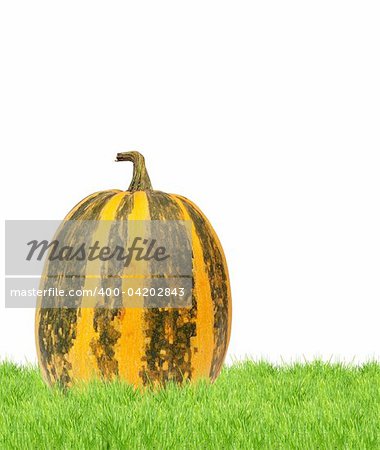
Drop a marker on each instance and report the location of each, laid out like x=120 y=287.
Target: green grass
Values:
x=251 y=405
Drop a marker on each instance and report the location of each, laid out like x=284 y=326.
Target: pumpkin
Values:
x=139 y=345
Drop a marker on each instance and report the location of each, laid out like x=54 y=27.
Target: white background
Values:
x=265 y=114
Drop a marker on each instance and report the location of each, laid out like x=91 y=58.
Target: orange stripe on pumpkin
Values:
x=81 y=356
x=129 y=350
x=202 y=345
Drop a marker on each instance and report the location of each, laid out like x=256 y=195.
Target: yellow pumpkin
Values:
x=138 y=344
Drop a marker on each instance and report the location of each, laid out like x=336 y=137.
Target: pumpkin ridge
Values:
x=219 y=285
x=169 y=330
x=62 y=321
x=202 y=344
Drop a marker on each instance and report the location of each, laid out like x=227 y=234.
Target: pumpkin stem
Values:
x=140 y=179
